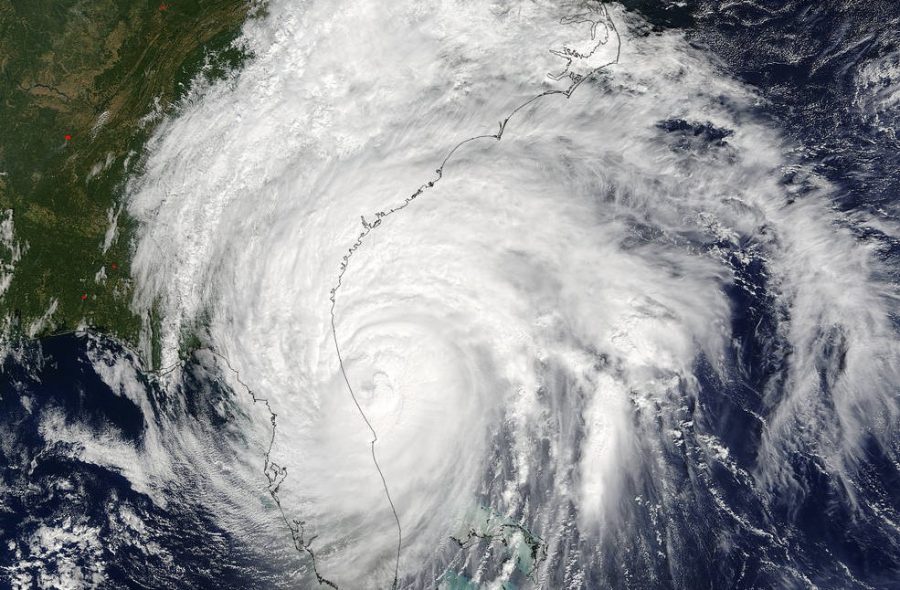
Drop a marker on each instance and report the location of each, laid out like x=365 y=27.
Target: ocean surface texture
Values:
x=513 y=294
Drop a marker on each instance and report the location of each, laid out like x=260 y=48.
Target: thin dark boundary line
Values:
x=275 y=473
x=380 y=215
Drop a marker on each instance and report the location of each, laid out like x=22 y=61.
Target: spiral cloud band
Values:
x=528 y=339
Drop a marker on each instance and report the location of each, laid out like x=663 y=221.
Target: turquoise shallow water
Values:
x=739 y=474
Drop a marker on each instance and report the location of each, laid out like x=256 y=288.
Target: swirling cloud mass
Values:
x=549 y=339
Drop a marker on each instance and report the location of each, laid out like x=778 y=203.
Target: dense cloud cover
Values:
x=533 y=338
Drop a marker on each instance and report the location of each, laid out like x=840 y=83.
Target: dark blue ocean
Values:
x=62 y=516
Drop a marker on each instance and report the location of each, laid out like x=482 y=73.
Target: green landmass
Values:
x=96 y=71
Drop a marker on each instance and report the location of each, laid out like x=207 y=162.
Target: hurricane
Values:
x=510 y=295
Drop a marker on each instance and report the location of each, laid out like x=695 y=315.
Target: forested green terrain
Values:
x=82 y=84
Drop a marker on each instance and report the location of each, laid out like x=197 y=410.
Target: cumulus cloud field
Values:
x=529 y=336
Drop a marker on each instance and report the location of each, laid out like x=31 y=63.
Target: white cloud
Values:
x=547 y=288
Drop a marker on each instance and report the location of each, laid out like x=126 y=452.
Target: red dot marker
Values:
x=164 y=7
x=114 y=266
x=84 y=296
x=68 y=138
